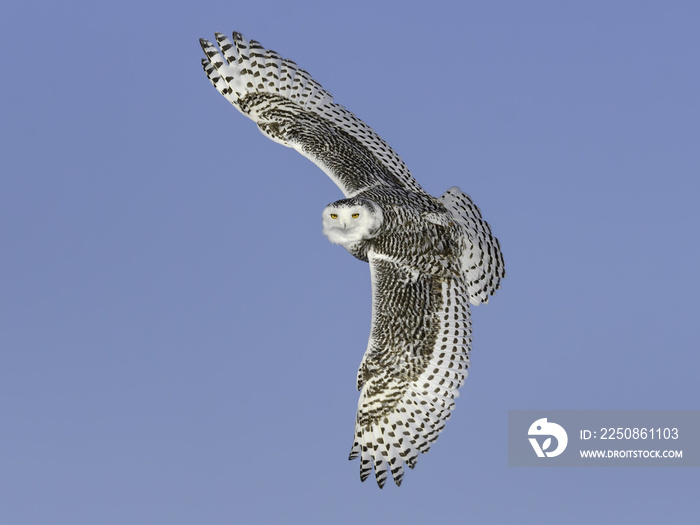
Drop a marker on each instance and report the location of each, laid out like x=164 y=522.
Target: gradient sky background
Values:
x=179 y=342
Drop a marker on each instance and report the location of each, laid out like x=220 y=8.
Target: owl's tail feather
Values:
x=482 y=260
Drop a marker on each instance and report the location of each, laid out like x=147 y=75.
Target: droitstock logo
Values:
x=544 y=429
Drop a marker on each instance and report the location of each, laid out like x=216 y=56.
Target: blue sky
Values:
x=179 y=342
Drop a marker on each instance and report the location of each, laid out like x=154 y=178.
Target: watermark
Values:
x=604 y=438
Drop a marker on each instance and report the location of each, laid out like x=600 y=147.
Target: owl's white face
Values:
x=349 y=221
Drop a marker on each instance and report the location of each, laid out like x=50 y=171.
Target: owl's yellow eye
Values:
x=334 y=215
x=355 y=215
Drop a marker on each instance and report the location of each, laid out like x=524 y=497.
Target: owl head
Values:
x=349 y=221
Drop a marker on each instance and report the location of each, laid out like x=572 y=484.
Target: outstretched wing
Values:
x=293 y=109
x=481 y=257
x=417 y=358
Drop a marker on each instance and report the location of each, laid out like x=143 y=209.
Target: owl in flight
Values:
x=428 y=257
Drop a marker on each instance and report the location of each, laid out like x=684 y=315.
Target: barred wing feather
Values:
x=291 y=108
x=417 y=358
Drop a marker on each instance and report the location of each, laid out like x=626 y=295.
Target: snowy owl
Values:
x=428 y=257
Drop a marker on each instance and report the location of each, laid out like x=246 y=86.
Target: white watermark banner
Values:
x=604 y=438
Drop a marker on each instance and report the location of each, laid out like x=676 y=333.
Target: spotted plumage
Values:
x=428 y=257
